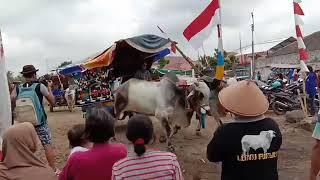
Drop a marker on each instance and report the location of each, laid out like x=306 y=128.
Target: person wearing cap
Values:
x=29 y=73
x=248 y=146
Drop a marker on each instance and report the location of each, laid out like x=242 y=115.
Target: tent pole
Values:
x=182 y=54
x=186 y=58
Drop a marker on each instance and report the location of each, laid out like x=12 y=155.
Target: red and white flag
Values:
x=303 y=54
x=5 y=105
x=201 y=28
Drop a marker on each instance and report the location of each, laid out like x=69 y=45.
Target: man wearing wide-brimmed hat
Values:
x=248 y=146
x=29 y=73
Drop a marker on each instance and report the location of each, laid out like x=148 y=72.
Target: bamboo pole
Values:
x=304 y=76
x=302 y=104
x=62 y=88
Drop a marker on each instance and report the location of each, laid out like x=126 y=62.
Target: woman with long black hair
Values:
x=145 y=163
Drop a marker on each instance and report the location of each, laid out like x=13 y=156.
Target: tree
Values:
x=19 y=78
x=10 y=76
x=163 y=62
x=65 y=63
x=211 y=61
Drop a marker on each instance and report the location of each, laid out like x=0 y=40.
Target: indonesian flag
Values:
x=303 y=55
x=201 y=28
x=5 y=107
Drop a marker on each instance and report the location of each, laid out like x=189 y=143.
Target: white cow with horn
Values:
x=163 y=99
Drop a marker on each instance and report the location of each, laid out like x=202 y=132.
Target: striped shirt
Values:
x=151 y=165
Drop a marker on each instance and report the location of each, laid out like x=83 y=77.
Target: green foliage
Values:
x=11 y=78
x=211 y=61
x=65 y=63
x=163 y=62
x=19 y=78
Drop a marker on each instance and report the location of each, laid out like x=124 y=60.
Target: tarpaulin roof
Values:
x=71 y=70
x=103 y=59
x=126 y=56
x=148 y=43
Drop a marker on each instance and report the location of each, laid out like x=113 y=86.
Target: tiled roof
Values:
x=311 y=41
x=177 y=63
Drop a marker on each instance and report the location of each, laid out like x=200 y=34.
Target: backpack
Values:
x=28 y=106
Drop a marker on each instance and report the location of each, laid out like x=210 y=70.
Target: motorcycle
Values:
x=281 y=103
x=288 y=101
x=268 y=91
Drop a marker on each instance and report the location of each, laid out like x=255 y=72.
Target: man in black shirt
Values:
x=247 y=147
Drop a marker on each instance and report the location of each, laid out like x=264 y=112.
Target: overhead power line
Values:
x=261 y=43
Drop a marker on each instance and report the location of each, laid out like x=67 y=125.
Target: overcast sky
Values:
x=47 y=32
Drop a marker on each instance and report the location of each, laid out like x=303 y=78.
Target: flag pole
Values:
x=220 y=61
x=303 y=56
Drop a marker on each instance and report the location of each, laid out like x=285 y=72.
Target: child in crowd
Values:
x=77 y=140
x=138 y=164
x=97 y=162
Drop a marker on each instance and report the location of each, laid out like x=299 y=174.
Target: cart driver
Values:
x=143 y=73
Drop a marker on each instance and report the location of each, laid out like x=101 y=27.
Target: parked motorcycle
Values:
x=285 y=98
x=268 y=91
x=283 y=102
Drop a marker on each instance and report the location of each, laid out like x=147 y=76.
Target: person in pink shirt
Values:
x=96 y=163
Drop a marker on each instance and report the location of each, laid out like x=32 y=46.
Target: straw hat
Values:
x=244 y=98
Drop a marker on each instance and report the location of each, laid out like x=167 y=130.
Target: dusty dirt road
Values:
x=294 y=158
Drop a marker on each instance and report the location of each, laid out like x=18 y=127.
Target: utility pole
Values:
x=241 y=55
x=241 y=60
x=252 y=59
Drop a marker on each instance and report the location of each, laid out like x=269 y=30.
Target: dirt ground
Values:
x=294 y=158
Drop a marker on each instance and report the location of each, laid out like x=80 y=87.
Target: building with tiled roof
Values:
x=177 y=63
x=289 y=53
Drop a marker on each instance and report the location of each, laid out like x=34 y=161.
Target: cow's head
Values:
x=197 y=98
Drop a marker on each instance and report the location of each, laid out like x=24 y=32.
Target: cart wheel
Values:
x=51 y=108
